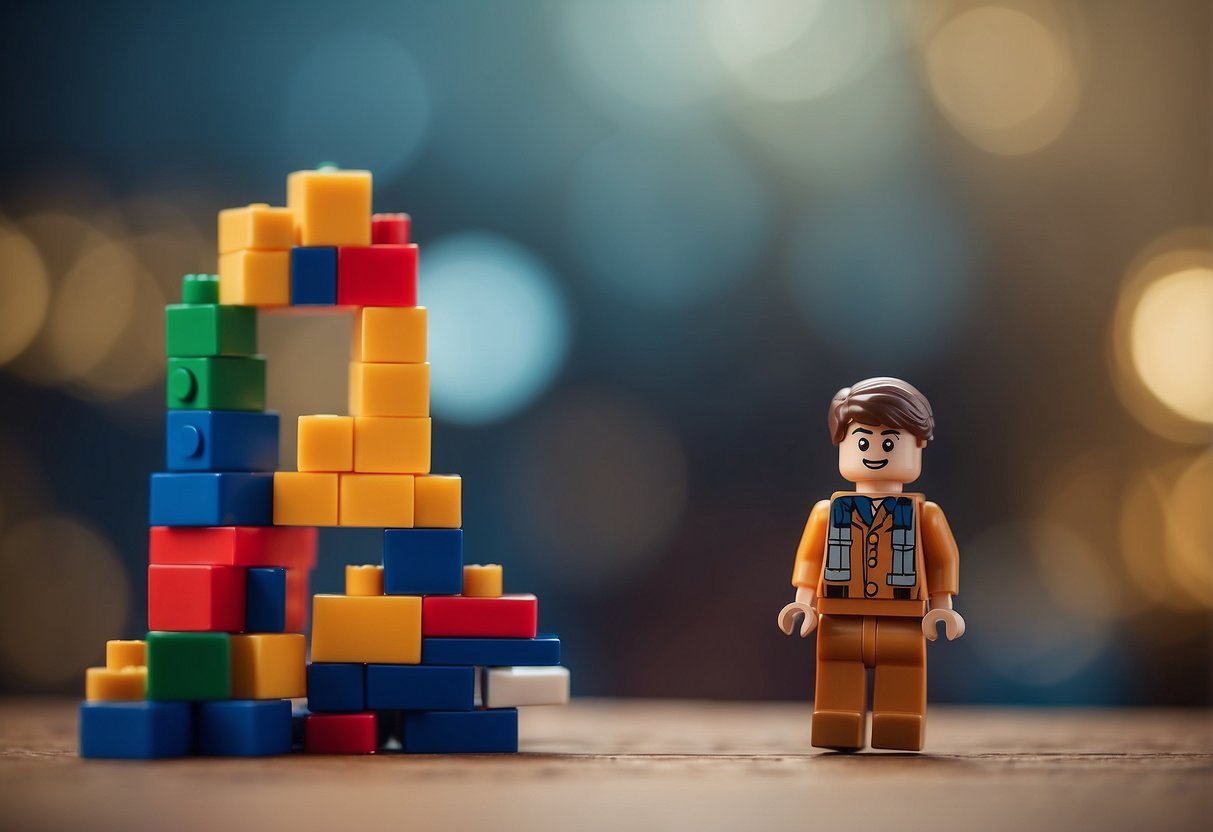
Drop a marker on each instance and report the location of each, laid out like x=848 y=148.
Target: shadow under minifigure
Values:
x=869 y=562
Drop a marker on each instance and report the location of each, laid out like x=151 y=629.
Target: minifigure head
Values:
x=880 y=426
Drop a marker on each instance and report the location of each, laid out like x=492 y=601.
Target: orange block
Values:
x=256 y=226
x=330 y=207
x=325 y=443
x=101 y=684
x=390 y=445
x=305 y=499
x=363 y=580
x=390 y=335
x=120 y=654
x=482 y=580
x=389 y=389
x=380 y=629
x=255 y=278
x=384 y=500
x=438 y=501
x=269 y=666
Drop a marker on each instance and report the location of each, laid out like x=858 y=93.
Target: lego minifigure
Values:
x=869 y=562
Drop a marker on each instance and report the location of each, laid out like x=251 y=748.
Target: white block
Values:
x=516 y=687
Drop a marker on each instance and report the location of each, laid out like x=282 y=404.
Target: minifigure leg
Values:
x=838 y=706
x=899 y=692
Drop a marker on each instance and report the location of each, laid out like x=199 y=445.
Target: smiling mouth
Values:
x=876 y=463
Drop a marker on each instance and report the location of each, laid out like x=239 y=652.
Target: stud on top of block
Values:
x=390 y=229
x=482 y=580
x=104 y=684
x=120 y=653
x=200 y=288
x=363 y=580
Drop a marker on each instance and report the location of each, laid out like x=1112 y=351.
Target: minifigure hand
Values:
x=954 y=625
x=787 y=618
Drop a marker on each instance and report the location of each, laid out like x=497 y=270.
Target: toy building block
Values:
x=482 y=580
x=517 y=687
x=419 y=687
x=390 y=335
x=325 y=443
x=120 y=653
x=363 y=580
x=422 y=561
x=200 y=330
x=212 y=499
x=256 y=226
x=313 y=276
x=330 y=207
x=242 y=728
x=383 y=500
x=389 y=445
x=384 y=275
x=103 y=684
x=340 y=734
x=135 y=730
x=298 y=599
x=389 y=389
x=336 y=687
x=438 y=501
x=454 y=616
x=265 y=599
x=461 y=732
x=202 y=598
x=224 y=383
x=200 y=288
x=305 y=499
x=255 y=278
x=269 y=666
x=384 y=629
x=492 y=652
x=220 y=440
x=390 y=229
x=189 y=666
x=234 y=546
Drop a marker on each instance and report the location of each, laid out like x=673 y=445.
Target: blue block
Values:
x=492 y=652
x=221 y=440
x=224 y=499
x=422 y=561
x=243 y=728
x=135 y=730
x=265 y=599
x=466 y=732
x=313 y=276
x=335 y=688
x=419 y=688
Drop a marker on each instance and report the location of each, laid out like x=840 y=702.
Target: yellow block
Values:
x=256 y=226
x=438 y=501
x=389 y=389
x=269 y=666
x=326 y=443
x=377 y=500
x=383 y=629
x=330 y=207
x=363 y=580
x=305 y=499
x=120 y=654
x=390 y=445
x=390 y=335
x=482 y=580
x=255 y=278
x=101 y=684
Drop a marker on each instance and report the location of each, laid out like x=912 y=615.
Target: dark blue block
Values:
x=243 y=728
x=313 y=276
x=221 y=440
x=225 y=499
x=422 y=561
x=467 y=732
x=335 y=687
x=135 y=730
x=492 y=652
x=419 y=688
x=265 y=599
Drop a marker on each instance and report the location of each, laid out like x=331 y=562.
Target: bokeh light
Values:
x=499 y=326
x=1189 y=549
x=24 y=292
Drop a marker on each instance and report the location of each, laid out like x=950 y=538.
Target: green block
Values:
x=216 y=383
x=200 y=288
x=209 y=329
x=189 y=666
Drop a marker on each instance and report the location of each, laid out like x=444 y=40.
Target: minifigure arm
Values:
x=943 y=573
x=807 y=572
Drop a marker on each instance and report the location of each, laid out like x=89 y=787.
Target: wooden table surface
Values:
x=634 y=765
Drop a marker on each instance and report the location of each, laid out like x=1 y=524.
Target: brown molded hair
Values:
x=882 y=401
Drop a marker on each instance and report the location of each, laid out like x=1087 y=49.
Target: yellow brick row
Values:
x=401 y=501
x=364 y=444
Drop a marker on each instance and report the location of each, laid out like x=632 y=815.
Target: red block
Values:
x=234 y=545
x=340 y=734
x=298 y=599
x=509 y=616
x=205 y=598
x=377 y=275
x=390 y=229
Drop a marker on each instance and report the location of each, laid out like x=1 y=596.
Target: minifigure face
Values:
x=877 y=453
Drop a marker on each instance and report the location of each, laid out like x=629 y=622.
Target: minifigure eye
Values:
x=887 y=445
x=863 y=443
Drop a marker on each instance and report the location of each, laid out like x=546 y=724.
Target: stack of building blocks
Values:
x=422 y=651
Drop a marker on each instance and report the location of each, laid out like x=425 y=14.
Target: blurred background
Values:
x=656 y=238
